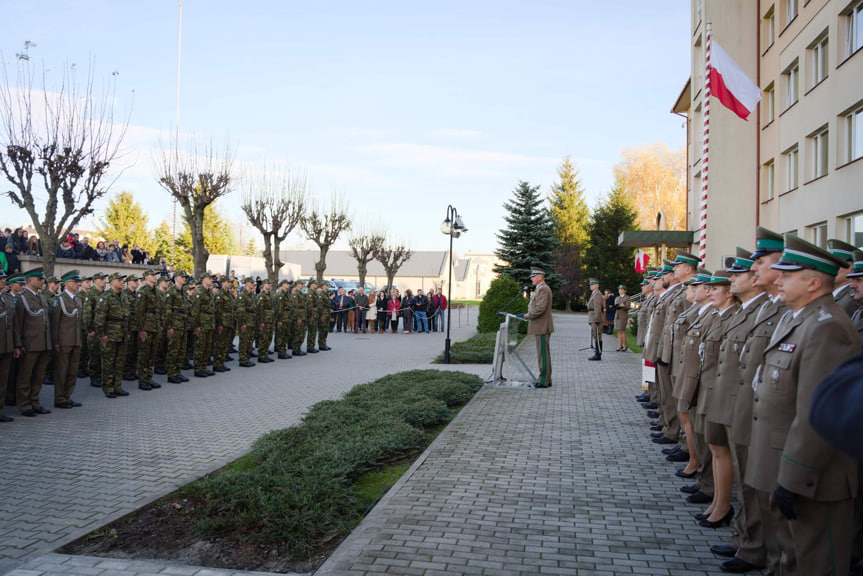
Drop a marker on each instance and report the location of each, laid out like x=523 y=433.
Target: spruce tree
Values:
x=571 y=217
x=528 y=239
x=604 y=259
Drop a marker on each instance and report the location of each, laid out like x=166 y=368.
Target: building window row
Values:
x=852 y=27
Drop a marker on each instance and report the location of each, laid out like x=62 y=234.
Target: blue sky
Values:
x=400 y=108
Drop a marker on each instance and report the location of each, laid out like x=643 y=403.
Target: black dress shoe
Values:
x=247 y=364
x=121 y=392
x=233 y=349
x=656 y=427
x=724 y=550
x=265 y=360
x=210 y=373
x=160 y=371
x=312 y=350
x=679 y=456
x=95 y=383
x=64 y=405
x=41 y=410
x=654 y=423
x=653 y=414
x=650 y=406
x=681 y=473
x=738 y=566
x=663 y=440
x=299 y=353
x=220 y=369
x=229 y=358
x=130 y=377
x=689 y=489
x=595 y=357
x=4 y=418
x=284 y=356
x=82 y=374
x=724 y=521
x=48 y=381
x=201 y=374
x=671 y=450
x=325 y=348
x=28 y=413
x=154 y=385
x=656 y=434
x=187 y=366
x=174 y=380
x=110 y=395
x=253 y=354
x=183 y=378
x=144 y=386
x=643 y=397
x=699 y=498
x=75 y=404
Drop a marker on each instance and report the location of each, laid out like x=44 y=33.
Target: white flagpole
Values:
x=705 y=149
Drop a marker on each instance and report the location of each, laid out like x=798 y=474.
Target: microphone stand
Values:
x=517 y=296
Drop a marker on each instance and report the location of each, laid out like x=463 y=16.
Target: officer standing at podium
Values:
x=541 y=325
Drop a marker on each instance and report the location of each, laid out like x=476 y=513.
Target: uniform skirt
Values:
x=620 y=321
x=715 y=434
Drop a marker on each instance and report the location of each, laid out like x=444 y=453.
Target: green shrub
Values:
x=500 y=293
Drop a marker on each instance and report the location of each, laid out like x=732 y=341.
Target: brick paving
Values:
x=557 y=481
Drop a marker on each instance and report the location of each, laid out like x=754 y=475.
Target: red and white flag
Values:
x=641 y=260
x=730 y=84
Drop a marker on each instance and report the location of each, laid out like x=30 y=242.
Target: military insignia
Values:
x=823 y=315
x=736 y=347
x=787 y=347
x=774 y=376
x=770 y=323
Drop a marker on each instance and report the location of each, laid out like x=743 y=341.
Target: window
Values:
x=818 y=61
x=769 y=104
x=853 y=27
x=817 y=234
x=852 y=228
x=791 y=157
x=854 y=135
x=818 y=150
x=791 y=79
x=699 y=10
x=698 y=63
x=769 y=29
x=790 y=11
x=769 y=179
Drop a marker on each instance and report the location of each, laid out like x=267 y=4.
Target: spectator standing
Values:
x=137 y=254
x=381 y=305
x=125 y=255
x=65 y=250
x=407 y=311
x=34 y=246
x=393 y=306
x=432 y=310
x=340 y=305
x=19 y=241
x=442 y=305
x=608 y=325
x=361 y=301
x=372 y=313
x=13 y=266
x=420 y=307
x=83 y=250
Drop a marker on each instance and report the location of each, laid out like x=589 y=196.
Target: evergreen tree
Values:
x=125 y=220
x=160 y=245
x=571 y=217
x=251 y=248
x=528 y=239
x=604 y=259
x=219 y=238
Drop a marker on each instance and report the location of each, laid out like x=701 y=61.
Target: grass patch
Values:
x=468 y=302
x=630 y=342
x=478 y=349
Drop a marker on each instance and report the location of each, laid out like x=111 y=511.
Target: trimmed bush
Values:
x=500 y=293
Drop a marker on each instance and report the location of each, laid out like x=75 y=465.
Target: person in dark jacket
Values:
x=83 y=250
x=19 y=241
x=609 y=313
x=420 y=307
x=13 y=265
x=432 y=310
x=65 y=250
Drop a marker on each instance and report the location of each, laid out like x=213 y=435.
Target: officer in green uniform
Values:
x=176 y=322
x=246 y=322
x=300 y=315
x=283 y=319
x=94 y=349
x=131 y=362
x=224 y=307
x=147 y=328
x=84 y=358
x=204 y=322
x=110 y=321
x=52 y=289
x=323 y=319
x=266 y=321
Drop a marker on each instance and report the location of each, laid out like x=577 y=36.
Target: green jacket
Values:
x=223 y=304
x=111 y=316
x=266 y=310
x=90 y=308
x=176 y=309
x=246 y=309
x=203 y=311
x=148 y=309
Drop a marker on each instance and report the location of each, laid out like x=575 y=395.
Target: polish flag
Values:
x=641 y=260
x=730 y=84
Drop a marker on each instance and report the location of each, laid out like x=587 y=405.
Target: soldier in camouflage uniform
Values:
x=283 y=319
x=52 y=289
x=312 y=317
x=300 y=315
x=224 y=307
x=160 y=365
x=204 y=321
x=176 y=321
x=323 y=318
x=110 y=320
x=131 y=363
x=246 y=322
x=147 y=329
x=266 y=321
x=84 y=358
x=94 y=349
x=191 y=289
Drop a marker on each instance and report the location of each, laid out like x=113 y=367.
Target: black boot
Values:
x=596 y=356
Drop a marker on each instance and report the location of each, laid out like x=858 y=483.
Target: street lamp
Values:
x=452 y=227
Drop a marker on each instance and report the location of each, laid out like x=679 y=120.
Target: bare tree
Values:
x=274 y=204
x=364 y=245
x=323 y=227
x=196 y=178
x=56 y=147
x=392 y=257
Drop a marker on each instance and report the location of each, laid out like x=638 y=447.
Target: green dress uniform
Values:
x=246 y=323
x=323 y=319
x=203 y=319
x=148 y=313
x=9 y=341
x=284 y=319
x=94 y=349
x=177 y=321
x=224 y=307
x=131 y=362
x=67 y=336
x=110 y=321
x=34 y=328
x=266 y=320
x=595 y=317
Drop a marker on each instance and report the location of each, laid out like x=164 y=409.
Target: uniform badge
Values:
x=787 y=347
x=736 y=347
x=823 y=315
x=774 y=376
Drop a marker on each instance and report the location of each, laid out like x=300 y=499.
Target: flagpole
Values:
x=705 y=148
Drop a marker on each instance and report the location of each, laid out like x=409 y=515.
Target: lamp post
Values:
x=452 y=227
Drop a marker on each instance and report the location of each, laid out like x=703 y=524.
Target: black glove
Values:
x=784 y=500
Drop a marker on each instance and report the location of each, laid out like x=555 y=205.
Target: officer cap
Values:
x=593 y=281
x=16 y=279
x=115 y=276
x=802 y=255
x=180 y=273
x=71 y=275
x=842 y=250
x=535 y=271
x=621 y=287
x=857 y=267
x=34 y=273
x=667 y=266
x=767 y=242
x=686 y=258
x=742 y=262
x=644 y=282
x=702 y=276
x=720 y=278
x=98 y=276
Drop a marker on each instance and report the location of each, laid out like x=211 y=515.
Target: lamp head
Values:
x=446 y=226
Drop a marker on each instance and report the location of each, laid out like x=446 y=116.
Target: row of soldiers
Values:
x=738 y=354
x=114 y=328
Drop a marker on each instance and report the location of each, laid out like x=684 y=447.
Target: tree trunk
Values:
x=277 y=261
x=321 y=264
x=362 y=269
x=49 y=254
x=198 y=248
x=272 y=273
x=391 y=276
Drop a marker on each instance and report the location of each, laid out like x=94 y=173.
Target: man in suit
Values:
x=842 y=292
x=34 y=326
x=596 y=317
x=541 y=325
x=10 y=346
x=67 y=319
x=812 y=483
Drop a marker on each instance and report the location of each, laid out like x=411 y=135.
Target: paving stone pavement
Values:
x=70 y=472
x=555 y=481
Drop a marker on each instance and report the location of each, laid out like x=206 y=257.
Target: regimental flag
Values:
x=730 y=84
x=641 y=261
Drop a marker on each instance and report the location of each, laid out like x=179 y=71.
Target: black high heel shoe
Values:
x=724 y=521
x=702 y=516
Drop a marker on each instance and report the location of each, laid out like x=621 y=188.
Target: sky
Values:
x=399 y=108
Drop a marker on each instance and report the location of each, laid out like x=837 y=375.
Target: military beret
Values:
x=115 y=276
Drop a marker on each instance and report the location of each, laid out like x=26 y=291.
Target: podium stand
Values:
x=514 y=363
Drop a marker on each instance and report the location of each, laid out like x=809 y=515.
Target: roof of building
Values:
x=342 y=263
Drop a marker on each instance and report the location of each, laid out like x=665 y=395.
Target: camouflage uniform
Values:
x=177 y=320
x=203 y=319
x=84 y=358
x=110 y=321
x=94 y=349
x=284 y=320
x=160 y=364
x=224 y=307
x=131 y=362
x=190 y=292
x=266 y=321
x=148 y=313
x=323 y=318
x=246 y=319
x=300 y=315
